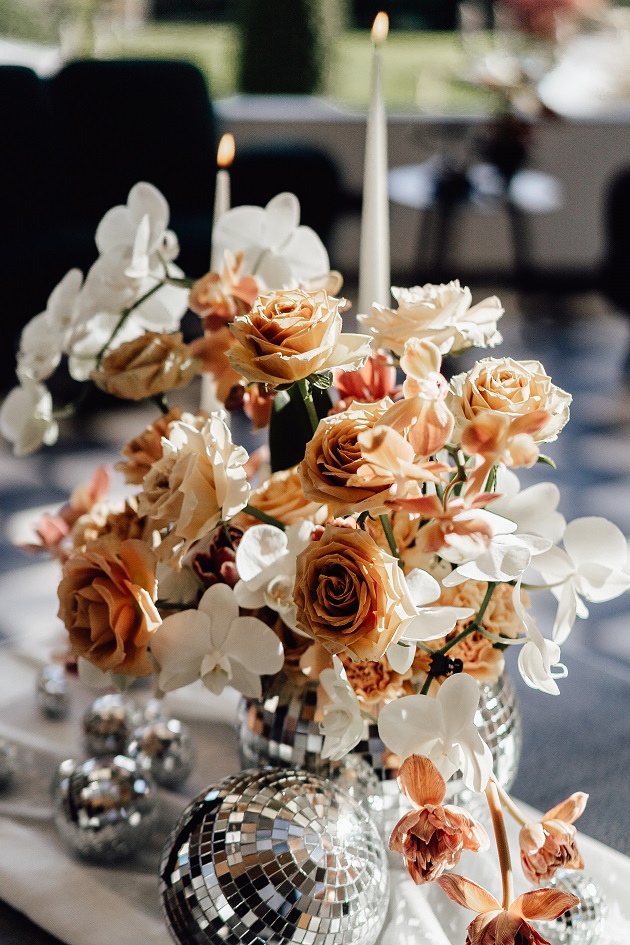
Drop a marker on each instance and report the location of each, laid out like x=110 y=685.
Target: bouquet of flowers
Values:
x=381 y=546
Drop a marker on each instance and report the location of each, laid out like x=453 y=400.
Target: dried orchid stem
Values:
x=515 y=812
x=389 y=534
x=500 y=835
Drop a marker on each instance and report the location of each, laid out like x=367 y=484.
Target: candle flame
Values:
x=380 y=28
x=225 y=154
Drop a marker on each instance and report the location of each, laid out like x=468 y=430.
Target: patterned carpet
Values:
x=580 y=740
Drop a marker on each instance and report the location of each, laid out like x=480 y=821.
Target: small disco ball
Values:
x=108 y=724
x=8 y=762
x=283 y=728
x=53 y=697
x=104 y=807
x=165 y=748
x=274 y=855
x=583 y=924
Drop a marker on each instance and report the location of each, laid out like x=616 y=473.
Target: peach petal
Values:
x=468 y=894
x=543 y=904
x=420 y=781
x=569 y=809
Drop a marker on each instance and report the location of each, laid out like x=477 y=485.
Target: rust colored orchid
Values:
x=497 y=926
x=388 y=455
x=431 y=837
x=375 y=380
x=447 y=526
x=495 y=438
x=219 y=297
x=549 y=844
x=52 y=530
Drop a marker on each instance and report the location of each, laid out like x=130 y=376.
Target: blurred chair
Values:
x=123 y=121
x=29 y=183
x=261 y=171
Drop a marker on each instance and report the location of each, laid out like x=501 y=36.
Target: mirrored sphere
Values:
x=53 y=696
x=275 y=855
x=107 y=725
x=165 y=748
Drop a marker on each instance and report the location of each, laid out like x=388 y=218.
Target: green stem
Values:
x=307 y=396
x=263 y=517
x=476 y=623
x=427 y=684
x=124 y=315
x=160 y=401
x=389 y=534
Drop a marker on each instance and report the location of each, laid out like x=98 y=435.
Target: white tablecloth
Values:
x=79 y=902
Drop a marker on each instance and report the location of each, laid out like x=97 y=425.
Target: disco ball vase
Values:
x=582 y=924
x=282 y=728
x=276 y=855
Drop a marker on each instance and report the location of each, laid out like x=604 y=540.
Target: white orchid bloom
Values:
x=443 y=729
x=430 y=624
x=533 y=510
x=266 y=564
x=139 y=232
x=97 y=332
x=26 y=417
x=342 y=725
x=591 y=566
x=216 y=645
x=47 y=336
x=463 y=549
x=276 y=249
x=538 y=657
x=505 y=559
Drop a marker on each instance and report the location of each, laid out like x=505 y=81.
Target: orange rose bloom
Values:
x=145 y=449
x=106 y=601
x=350 y=595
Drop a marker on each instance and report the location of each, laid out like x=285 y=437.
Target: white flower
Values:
x=266 y=564
x=138 y=231
x=432 y=623
x=534 y=510
x=504 y=559
x=216 y=645
x=591 y=567
x=443 y=729
x=277 y=251
x=538 y=656
x=342 y=725
x=437 y=313
x=26 y=417
x=47 y=336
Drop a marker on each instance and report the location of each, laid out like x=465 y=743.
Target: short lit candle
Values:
x=374 y=264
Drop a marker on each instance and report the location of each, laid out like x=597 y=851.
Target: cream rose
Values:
x=511 y=388
x=151 y=364
x=106 y=601
x=350 y=595
x=441 y=314
x=199 y=481
x=329 y=471
x=292 y=334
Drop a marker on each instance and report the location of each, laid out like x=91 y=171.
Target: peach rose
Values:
x=148 y=365
x=111 y=517
x=290 y=335
x=106 y=601
x=350 y=595
x=282 y=497
x=441 y=314
x=329 y=471
x=511 y=388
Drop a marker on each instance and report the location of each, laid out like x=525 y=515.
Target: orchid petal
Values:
x=543 y=904
x=260 y=547
x=423 y=587
x=420 y=781
x=220 y=607
x=178 y=646
x=255 y=645
x=458 y=698
x=467 y=894
x=410 y=724
x=282 y=216
x=400 y=657
x=434 y=622
x=595 y=540
x=569 y=809
x=599 y=583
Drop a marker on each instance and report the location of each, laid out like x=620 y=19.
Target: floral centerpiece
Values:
x=381 y=547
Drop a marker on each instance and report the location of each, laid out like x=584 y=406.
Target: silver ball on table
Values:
x=165 y=748
x=107 y=725
x=8 y=762
x=53 y=697
x=276 y=855
x=583 y=924
x=104 y=807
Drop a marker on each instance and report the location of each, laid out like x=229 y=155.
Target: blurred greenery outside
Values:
x=421 y=71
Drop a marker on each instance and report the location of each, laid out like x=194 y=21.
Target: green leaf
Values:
x=547 y=460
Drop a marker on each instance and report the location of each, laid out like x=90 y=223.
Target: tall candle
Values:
x=374 y=264
x=225 y=155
